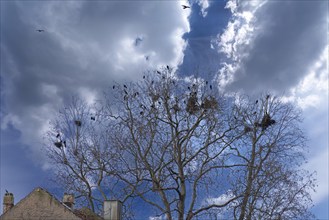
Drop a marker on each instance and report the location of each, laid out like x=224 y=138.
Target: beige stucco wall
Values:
x=39 y=205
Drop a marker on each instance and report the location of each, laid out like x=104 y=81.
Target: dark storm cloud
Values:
x=84 y=48
x=289 y=36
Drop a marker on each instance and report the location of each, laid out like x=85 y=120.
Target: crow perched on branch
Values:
x=77 y=123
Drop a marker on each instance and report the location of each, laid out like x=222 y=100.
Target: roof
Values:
x=40 y=204
x=87 y=214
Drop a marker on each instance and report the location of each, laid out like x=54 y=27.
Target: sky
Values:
x=242 y=46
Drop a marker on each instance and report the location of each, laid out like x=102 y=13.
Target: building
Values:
x=40 y=204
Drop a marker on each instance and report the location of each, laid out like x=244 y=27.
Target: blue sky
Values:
x=242 y=46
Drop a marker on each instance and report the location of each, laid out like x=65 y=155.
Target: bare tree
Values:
x=81 y=155
x=271 y=183
x=171 y=134
x=186 y=150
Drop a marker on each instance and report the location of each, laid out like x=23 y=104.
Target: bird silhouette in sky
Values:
x=40 y=30
x=185 y=6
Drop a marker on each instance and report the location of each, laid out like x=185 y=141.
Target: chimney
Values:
x=8 y=201
x=68 y=200
x=112 y=210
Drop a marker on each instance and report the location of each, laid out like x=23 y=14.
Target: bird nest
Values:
x=192 y=105
x=209 y=103
x=266 y=122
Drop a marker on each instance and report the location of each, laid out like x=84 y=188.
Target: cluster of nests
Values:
x=265 y=123
x=193 y=106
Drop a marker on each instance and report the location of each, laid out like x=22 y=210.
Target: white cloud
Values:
x=235 y=38
x=157 y=217
x=220 y=200
x=204 y=4
x=312 y=91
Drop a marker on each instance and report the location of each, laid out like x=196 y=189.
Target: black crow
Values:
x=77 y=123
x=92 y=118
x=58 y=144
x=185 y=6
x=40 y=30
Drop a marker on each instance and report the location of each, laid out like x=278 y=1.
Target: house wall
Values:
x=39 y=205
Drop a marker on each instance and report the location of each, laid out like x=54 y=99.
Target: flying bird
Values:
x=93 y=118
x=185 y=6
x=256 y=102
x=40 y=30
